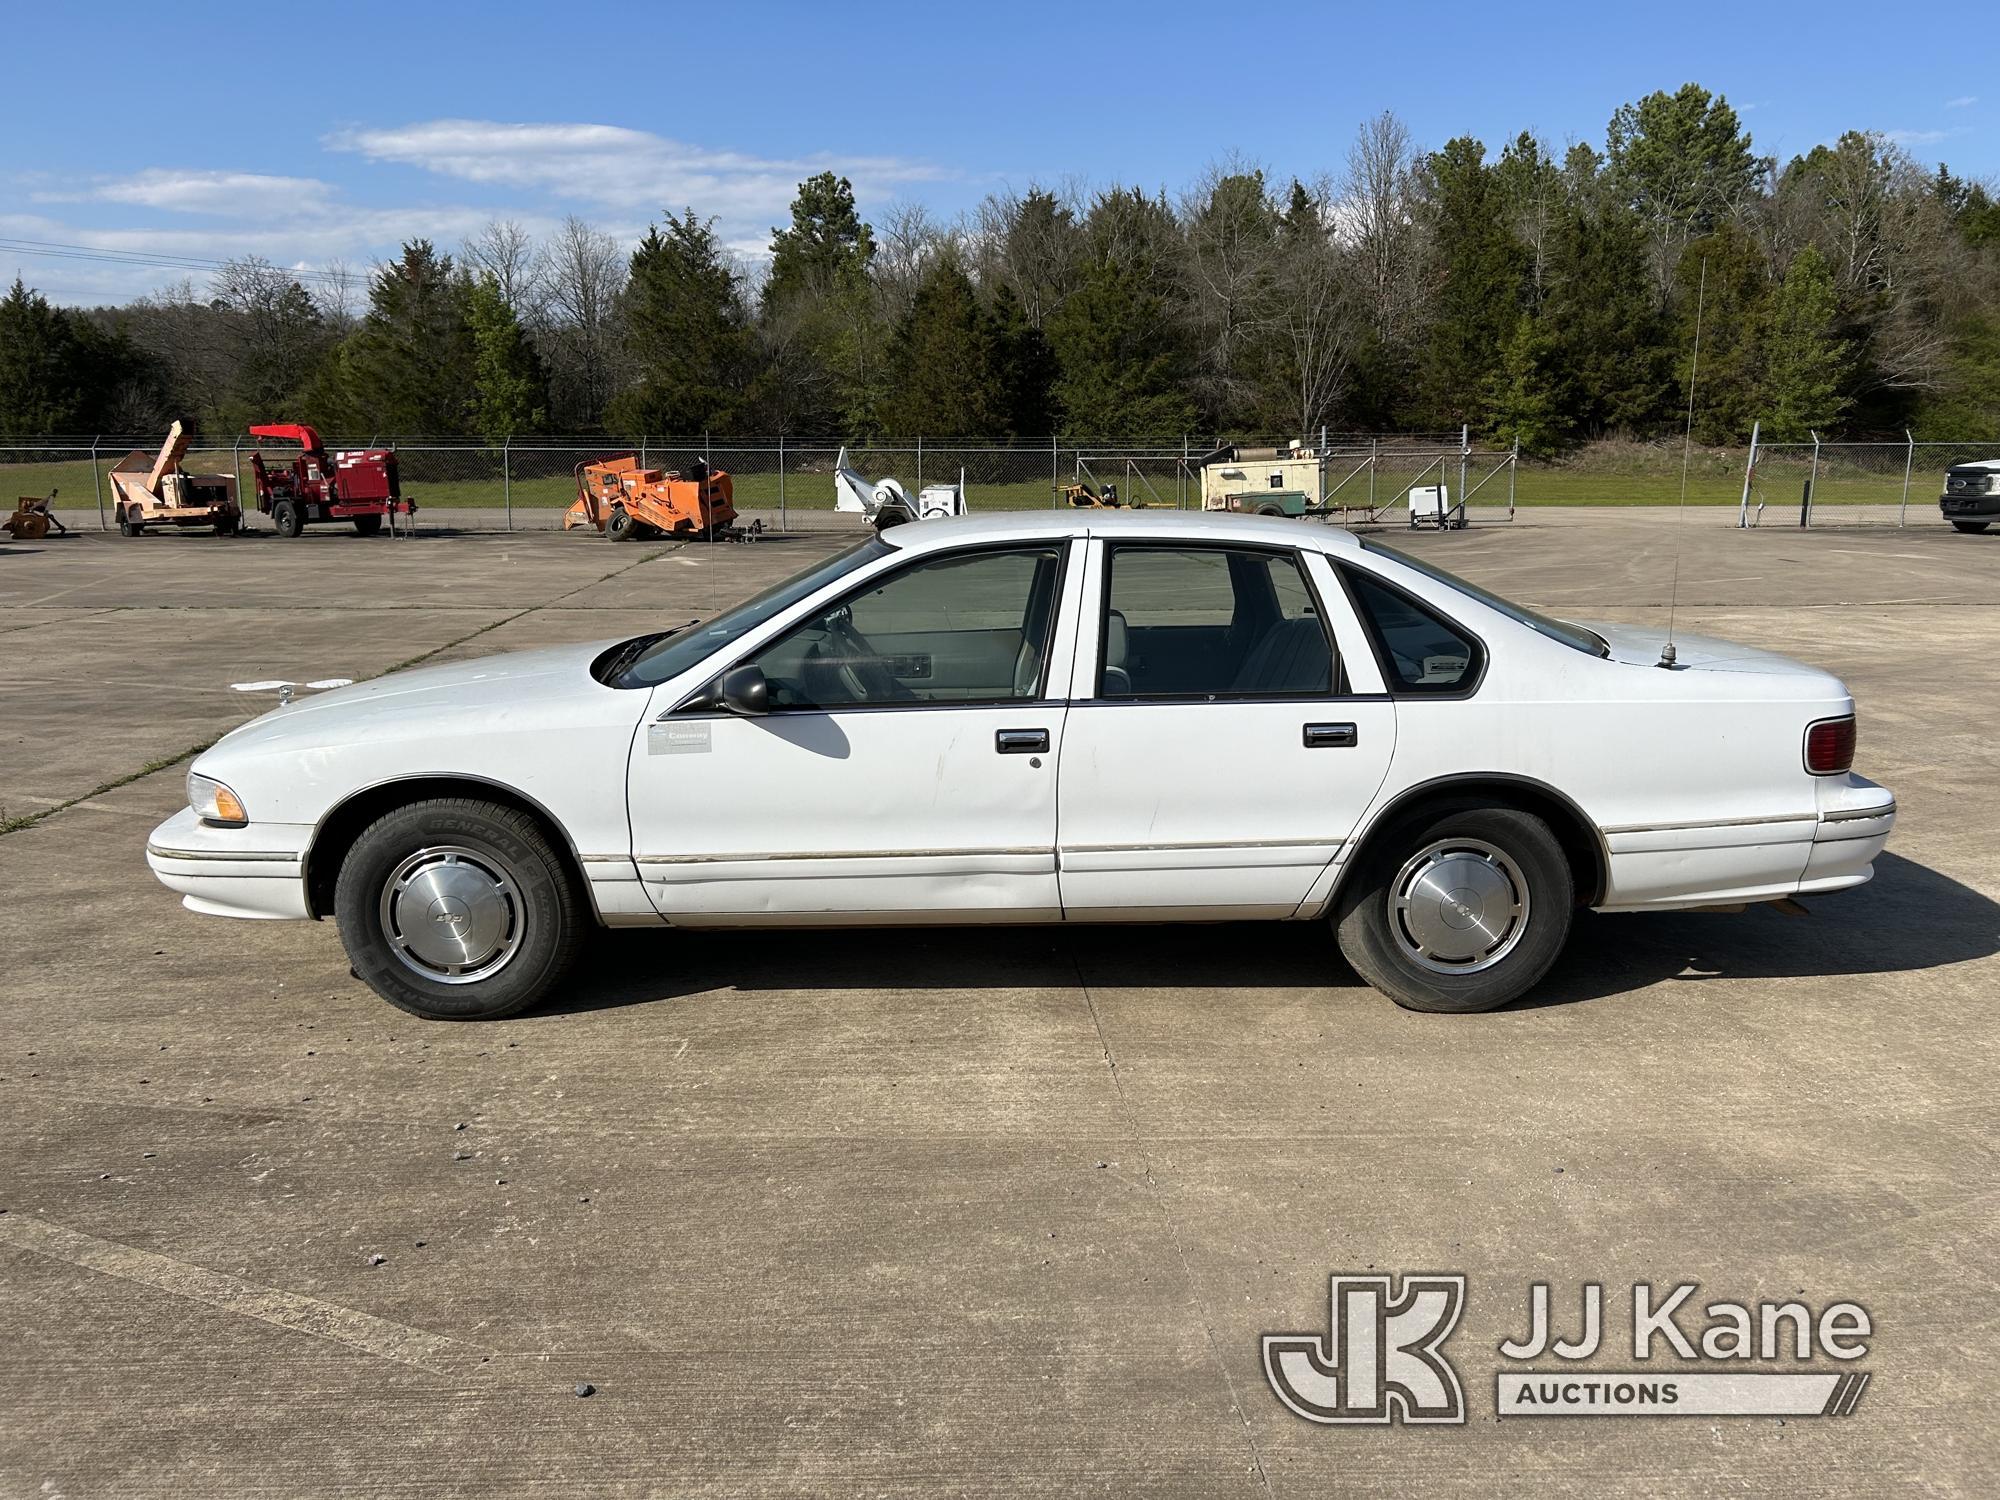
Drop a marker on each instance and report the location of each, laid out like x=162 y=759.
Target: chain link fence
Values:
x=1850 y=484
x=526 y=484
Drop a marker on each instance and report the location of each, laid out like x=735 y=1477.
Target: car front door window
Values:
x=965 y=628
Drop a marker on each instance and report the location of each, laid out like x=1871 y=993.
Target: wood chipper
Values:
x=156 y=491
x=627 y=502
x=32 y=518
x=361 y=485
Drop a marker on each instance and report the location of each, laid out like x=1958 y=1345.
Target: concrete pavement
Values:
x=949 y=1212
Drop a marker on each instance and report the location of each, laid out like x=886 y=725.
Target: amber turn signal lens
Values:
x=229 y=807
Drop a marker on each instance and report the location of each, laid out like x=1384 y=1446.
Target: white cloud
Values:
x=232 y=194
x=305 y=243
x=1963 y=101
x=633 y=170
x=1921 y=137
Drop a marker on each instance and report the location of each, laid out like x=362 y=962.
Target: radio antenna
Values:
x=1687 y=453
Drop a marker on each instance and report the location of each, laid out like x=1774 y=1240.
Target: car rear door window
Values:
x=1210 y=622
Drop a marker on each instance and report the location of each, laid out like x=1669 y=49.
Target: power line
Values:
x=154 y=260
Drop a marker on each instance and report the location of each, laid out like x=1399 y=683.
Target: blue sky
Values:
x=302 y=141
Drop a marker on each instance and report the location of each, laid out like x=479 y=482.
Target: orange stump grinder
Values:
x=628 y=503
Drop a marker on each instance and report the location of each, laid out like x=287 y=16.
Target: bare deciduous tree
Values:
x=506 y=251
x=1377 y=218
x=586 y=272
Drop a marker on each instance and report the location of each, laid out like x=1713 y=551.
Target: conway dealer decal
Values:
x=1382 y=1357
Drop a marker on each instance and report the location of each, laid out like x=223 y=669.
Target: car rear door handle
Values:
x=1331 y=737
x=1021 y=741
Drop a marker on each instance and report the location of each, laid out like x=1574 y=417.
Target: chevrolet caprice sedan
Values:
x=1027 y=718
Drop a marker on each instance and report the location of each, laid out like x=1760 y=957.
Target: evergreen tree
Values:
x=1733 y=311
x=1683 y=163
x=57 y=371
x=944 y=361
x=1123 y=369
x=1604 y=312
x=1027 y=369
x=509 y=389
x=1479 y=298
x=411 y=367
x=827 y=249
x=819 y=302
x=1803 y=356
x=686 y=332
x=1531 y=394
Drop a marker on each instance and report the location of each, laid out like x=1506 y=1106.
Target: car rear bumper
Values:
x=1829 y=848
x=255 y=871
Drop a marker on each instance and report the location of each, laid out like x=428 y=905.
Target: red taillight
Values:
x=1830 y=746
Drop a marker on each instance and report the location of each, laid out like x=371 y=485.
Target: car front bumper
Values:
x=255 y=871
x=1981 y=507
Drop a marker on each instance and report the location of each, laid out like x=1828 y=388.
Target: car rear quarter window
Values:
x=1421 y=651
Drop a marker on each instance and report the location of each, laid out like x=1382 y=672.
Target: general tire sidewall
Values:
x=1363 y=921
x=548 y=910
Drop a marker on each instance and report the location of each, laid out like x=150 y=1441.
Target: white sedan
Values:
x=1136 y=717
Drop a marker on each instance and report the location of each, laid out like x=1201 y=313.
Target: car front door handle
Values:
x=1021 y=741
x=1331 y=737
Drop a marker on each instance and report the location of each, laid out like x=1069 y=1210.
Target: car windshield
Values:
x=648 y=660
x=1574 y=636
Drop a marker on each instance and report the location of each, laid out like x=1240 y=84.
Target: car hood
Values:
x=490 y=687
x=1640 y=645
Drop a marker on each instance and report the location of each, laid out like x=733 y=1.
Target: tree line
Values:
x=1550 y=299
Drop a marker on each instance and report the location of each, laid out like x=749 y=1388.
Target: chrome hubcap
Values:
x=451 y=915
x=1458 y=906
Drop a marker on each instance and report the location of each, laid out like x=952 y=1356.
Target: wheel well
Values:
x=341 y=827
x=1581 y=843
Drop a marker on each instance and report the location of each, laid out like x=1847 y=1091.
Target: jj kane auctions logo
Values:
x=1381 y=1358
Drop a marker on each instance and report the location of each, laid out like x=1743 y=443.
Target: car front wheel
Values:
x=1457 y=908
x=1970 y=525
x=458 y=910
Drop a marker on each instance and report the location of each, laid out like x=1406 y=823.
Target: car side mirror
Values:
x=744 y=690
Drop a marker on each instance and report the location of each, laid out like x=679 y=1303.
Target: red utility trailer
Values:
x=356 y=484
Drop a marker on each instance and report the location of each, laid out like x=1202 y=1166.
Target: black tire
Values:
x=228 y=526
x=127 y=526
x=1270 y=510
x=1970 y=525
x=368 y=525
x=451 y=846
x=620 y=527
x=1458 y=840
x=288 y=518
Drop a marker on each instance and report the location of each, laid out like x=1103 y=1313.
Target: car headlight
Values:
x=215 y=803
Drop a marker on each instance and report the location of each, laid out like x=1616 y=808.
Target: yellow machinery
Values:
x=627 y=502
x=32 y=518
x=158 y=492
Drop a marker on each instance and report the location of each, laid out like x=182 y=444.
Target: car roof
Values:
x=1979 y=463
x=1191 y=525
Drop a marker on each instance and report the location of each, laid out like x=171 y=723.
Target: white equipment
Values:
x=886 y=503
x=1430 y=505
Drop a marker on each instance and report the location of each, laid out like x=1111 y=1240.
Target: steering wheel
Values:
x=860 y=664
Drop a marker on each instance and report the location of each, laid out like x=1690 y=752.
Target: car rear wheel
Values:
x=458 y=910
x=1970 y=525
x=1458 y=908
